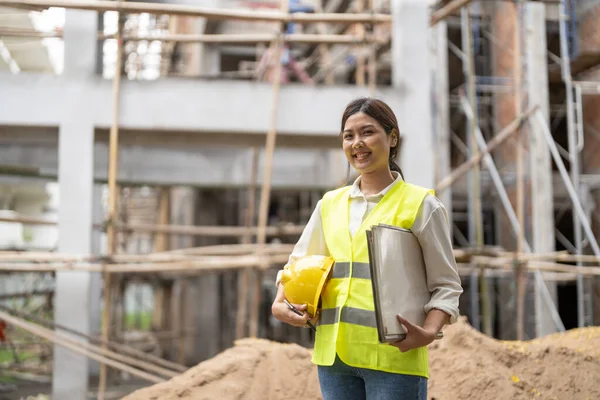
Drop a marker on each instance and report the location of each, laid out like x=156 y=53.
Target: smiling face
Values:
x=366 y=144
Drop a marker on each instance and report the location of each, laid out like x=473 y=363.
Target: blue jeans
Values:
x=341 y=381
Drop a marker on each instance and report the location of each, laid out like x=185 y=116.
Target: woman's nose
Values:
x=357 y=143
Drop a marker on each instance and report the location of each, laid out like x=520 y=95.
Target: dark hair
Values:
x=382 y=113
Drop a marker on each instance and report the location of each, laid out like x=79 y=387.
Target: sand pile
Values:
x=464 y=365
x=469 y=365
x=252 y=369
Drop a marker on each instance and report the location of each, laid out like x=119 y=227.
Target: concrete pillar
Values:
x=81 y=49
x=75 y=178
x=73 y=289
x=411 y=77
x=589 y=40
x=98 y=248
x=540 y=167
x=206 y=320
x=441 y=109
x=508 y=58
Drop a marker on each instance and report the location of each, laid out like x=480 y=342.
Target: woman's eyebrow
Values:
x=362 y=127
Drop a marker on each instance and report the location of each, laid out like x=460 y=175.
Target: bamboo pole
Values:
x=265 y=193
x=28 y=33
x=192 y=230
x=161 y=242
x=447 y=10
x=232 y=231
x=187 y=254
x=169 y=365
x=20 y=295
x=252 y=38
x=28 y=220
x=76 y=347
x=504 y=134
x=111 y=233
x=206 y=264
x=223 y=263
x=506 y=263
x=205 y=12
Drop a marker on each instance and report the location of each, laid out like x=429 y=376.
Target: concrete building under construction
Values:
x=151 y=151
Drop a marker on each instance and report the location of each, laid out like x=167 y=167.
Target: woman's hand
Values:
x=283 y=313
x=416 y=336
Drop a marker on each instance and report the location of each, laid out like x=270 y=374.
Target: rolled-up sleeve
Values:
x=443 y=279
x=311 y=242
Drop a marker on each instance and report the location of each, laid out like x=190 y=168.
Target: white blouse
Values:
x=431 y=228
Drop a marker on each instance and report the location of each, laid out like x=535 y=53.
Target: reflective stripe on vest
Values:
x=350 y=315
x=359 y=270
x=347 y=326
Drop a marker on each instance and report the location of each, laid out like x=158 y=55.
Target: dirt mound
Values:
x=464 y=365
x=252 y=369
x=469 y=365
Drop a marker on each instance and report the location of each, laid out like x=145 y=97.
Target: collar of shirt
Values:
x=355 y=190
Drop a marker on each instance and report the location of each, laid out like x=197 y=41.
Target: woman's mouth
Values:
x=362 y=155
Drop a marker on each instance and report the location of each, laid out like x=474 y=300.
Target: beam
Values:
x=221 y=167
x=197 y=11
x=181 y=104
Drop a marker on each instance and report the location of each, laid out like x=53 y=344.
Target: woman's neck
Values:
x=374 y=182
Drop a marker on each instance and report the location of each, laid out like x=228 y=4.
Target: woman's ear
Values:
x=394 y=138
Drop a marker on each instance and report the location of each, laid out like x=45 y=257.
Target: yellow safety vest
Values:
x=347 y=325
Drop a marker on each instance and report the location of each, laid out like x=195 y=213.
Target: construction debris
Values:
x=464 y=365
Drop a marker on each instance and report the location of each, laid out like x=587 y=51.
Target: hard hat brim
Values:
x=327 y=267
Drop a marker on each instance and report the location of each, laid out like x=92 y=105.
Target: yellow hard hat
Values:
x=304 y=279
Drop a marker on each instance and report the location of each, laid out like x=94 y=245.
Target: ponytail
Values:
x=395 y=167
x=393 y=153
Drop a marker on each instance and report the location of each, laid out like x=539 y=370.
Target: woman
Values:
x=352 y=364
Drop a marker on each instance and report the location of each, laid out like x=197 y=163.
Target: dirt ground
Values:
x=464 y=365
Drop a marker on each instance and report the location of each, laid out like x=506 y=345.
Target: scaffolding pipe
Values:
x=512 y=216
x=579 y=106
x=579 y=212
x=573 y=153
